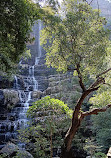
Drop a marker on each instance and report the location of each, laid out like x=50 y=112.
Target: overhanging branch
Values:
x=95 y=111
x=104 y=72
x=97 y=82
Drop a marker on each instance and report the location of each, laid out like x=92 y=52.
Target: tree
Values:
x=17 y=18
x=75 y=40
x=44 y=133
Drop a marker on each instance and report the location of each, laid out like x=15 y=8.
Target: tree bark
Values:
x=66 y=148
x=78 y=116
x=76 y=121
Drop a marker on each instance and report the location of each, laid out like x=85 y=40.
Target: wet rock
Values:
x=48 y=91
x=9 y=149
x=12 y=118
x=30 y=88
x=37 y=94
x=3 y=116
x=1 y=97
x=12 y=150
x=5 y=83
x=11 y=97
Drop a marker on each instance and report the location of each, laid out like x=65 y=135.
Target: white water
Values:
x=28 y=99
x=31 y=84
x=39 y=46
x=18 y=116
x=32 y=78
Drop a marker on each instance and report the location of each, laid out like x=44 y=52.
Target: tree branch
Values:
x=80 y=101
x=97 y=82
x=93 y=89
x=95 y=111
x=90 y=2
x=104 y=72
x=80 y=78
x=107 y=84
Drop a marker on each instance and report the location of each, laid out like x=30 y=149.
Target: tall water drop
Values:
x=25 y=86
x=39 y=46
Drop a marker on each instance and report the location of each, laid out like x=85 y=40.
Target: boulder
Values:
x=37 y=94
x=11 y=97
x=48 y=91
x=24 y=154
x=11 y=150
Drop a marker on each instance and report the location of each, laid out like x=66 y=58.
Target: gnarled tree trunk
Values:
x=78 y=116
x=76 y=121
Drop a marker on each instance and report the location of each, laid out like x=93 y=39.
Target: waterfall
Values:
x=39 y=47
x=32 y=78
x=9 y=127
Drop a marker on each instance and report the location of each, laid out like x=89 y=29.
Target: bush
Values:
x=49 y=120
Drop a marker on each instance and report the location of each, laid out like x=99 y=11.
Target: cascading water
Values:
x=39 y=47
x=17 y=117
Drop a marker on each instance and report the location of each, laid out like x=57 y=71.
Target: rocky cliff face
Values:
x=61 y=86
x=32 y=77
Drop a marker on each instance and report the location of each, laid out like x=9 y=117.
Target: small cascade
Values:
x=32 y=79
x=28 y=99
x=37 y=60
x=17 y=117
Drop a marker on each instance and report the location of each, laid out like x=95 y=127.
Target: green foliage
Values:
x=100 y=155
x=21 y=154
x=1 y=156
x=101 y=99
x=76 y=36
x=102 y=122
x=101 y=126
x=49 y=119
x=56 y=107
x=103 y=95
x=17 y=18
x=70 y=91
